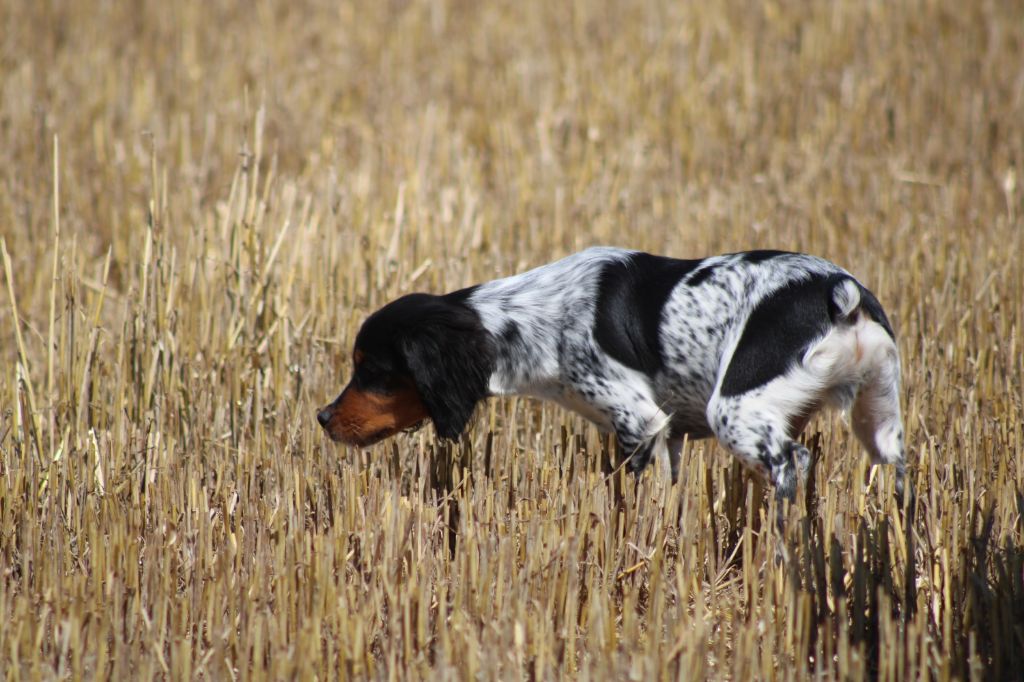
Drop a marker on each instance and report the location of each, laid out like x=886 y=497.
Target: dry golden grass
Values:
x=200 y=201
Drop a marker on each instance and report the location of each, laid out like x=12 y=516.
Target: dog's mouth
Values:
x=373 y=437
x=378 y=436
x=415 y=427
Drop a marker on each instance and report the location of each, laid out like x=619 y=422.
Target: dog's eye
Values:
x=370 y=375
x=367 y=372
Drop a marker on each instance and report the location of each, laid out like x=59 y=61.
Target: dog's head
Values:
x=417 y=357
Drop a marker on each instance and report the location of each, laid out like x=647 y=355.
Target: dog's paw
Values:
x=801 y=458
x=640 y=460
x=636 y=464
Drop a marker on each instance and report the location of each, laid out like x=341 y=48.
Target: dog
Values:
x=744 y=346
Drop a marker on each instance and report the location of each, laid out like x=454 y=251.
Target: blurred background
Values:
x=522 y=130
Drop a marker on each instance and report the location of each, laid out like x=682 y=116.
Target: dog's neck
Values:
x=526 y=315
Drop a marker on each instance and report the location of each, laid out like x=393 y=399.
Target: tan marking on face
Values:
x=363 y=417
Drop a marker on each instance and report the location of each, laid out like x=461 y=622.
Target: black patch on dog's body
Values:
x=700 y=276
x=630 y=298
x=511 y=335
x=779 y=331
x=761 y=255
x=873 y=308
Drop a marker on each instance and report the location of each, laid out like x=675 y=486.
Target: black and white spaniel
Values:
x=745 y=346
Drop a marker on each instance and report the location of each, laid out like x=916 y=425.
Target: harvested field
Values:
x=201 y=201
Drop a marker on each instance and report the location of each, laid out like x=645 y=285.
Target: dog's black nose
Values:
x=324 y=416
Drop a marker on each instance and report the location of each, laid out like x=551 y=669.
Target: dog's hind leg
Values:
x=759 y=430
x=875 y=415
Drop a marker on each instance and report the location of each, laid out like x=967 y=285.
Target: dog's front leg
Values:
x=643 y=435
x=621 y=400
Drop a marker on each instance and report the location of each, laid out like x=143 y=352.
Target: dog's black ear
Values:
x=451 y=358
